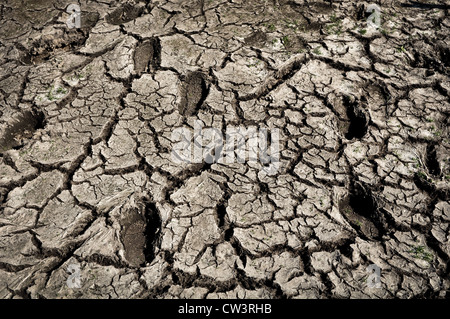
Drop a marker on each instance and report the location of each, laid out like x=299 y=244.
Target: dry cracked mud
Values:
x=87 y=178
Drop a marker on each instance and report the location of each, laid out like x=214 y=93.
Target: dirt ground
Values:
x=87 y=175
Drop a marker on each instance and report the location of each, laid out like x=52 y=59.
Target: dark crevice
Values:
x=223 y=221
x=358 y=121
x=346 y=249
x=434 y=244
x=13 y=268
x=228 y=234
x=21 y=293
x=246 y=282
x=305 y=256
x=240 y=251
x=221 y=213
x=189 y=280
x=152 y=231
x=422 y=5
x=105 y=260
x=431 y=160
x=327 y=292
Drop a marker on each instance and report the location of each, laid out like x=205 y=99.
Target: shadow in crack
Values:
x=421 y=5
x=152 y=231
x=431 y=160
x=313 y=7
x=358 y=120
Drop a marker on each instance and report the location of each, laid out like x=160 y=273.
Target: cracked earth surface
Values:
x=86 y=175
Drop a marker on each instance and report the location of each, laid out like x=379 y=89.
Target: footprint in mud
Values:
x=140 y=230
x=257 y=37
x=147 y=56
x=21 y=128
x=124 y=14
x=89 y=19
x=360 y=210
x=193 y=93
x=133 y=237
